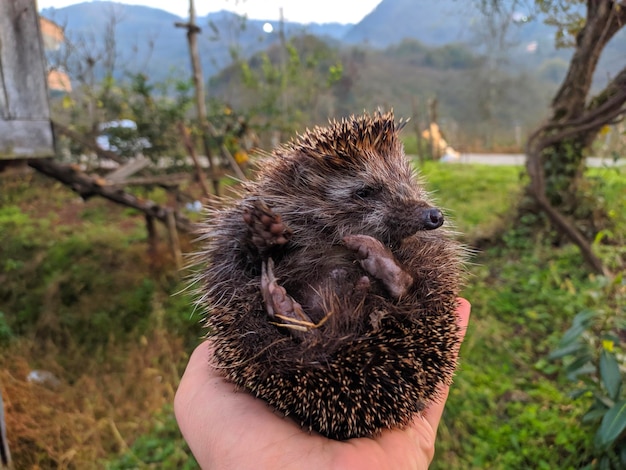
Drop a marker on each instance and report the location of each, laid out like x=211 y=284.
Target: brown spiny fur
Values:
x=377 y=360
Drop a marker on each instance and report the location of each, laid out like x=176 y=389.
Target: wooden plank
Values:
x=171 y=179
x=25 y=129
x=128 y=169
x=22 y=59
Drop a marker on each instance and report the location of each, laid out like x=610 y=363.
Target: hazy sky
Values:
x=301 y=11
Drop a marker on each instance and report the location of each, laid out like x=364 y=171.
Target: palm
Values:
x=229 y=429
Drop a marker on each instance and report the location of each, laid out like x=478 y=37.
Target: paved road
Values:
x=519 y=159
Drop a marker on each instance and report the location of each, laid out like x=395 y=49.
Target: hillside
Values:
x=476 y=102
x=474 y=105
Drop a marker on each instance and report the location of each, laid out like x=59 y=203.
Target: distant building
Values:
x=53 y=37
x=51 y=34
x=59 y=81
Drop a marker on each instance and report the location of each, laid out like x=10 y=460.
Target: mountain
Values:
x=531 y=43
x=147 y=41
x=433 y=23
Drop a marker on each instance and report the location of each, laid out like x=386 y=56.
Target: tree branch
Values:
x=604 y=19
x=87 y=186
x=569 y=230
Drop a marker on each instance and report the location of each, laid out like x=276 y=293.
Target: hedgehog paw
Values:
x=379 y=262
x=266 y=227
x=281 y=307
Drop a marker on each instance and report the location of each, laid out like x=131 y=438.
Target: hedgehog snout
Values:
x=431 y=218
x=405 y=220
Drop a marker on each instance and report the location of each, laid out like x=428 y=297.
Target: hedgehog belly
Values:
x=377 y=380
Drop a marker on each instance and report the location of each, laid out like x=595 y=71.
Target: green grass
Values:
x=508 y=408
x=477 y=197
x=161 y=449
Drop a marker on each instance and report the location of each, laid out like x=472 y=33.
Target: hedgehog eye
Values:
x=367 y=192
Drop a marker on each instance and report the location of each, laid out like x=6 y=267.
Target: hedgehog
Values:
x=330 y=285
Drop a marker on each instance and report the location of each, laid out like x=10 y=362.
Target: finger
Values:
x=463 y=312
x=433 y=413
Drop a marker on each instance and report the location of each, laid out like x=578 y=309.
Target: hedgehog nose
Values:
x=432 y=219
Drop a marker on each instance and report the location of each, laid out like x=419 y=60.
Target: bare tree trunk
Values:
x=604 y=19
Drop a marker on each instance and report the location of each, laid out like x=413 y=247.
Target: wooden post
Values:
x=198 y=81
x=152 y=242
x=207 y=129
x=25 y=129
x=283 y=72
x=432 y=121
x=192 y=153
x=416 y=127
x=174 y=241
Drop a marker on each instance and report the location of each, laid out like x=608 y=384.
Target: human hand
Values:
x=226 y=429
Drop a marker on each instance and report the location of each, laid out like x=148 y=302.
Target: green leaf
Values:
x=577 y=366
x=566 y=351
x=605 y=463
x=602 y=400
x=583 y=318
x=573 y=334
x=594 y=415
x=610 y=374
x=613 y=424
x=579 y=393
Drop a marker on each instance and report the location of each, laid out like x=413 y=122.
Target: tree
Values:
x=490 y=81
x=289 y=85
x=556 y=150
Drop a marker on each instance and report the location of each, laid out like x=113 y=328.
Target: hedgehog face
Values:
x=351 y=177
x=382 y=200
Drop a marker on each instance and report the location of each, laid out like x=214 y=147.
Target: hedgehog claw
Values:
x=266 y=228
x=281 y=306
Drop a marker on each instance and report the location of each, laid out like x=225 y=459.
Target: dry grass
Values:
x=76 y=425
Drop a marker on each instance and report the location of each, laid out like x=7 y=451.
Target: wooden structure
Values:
x=25 y=126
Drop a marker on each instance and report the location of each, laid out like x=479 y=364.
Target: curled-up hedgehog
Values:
x=330 y=287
